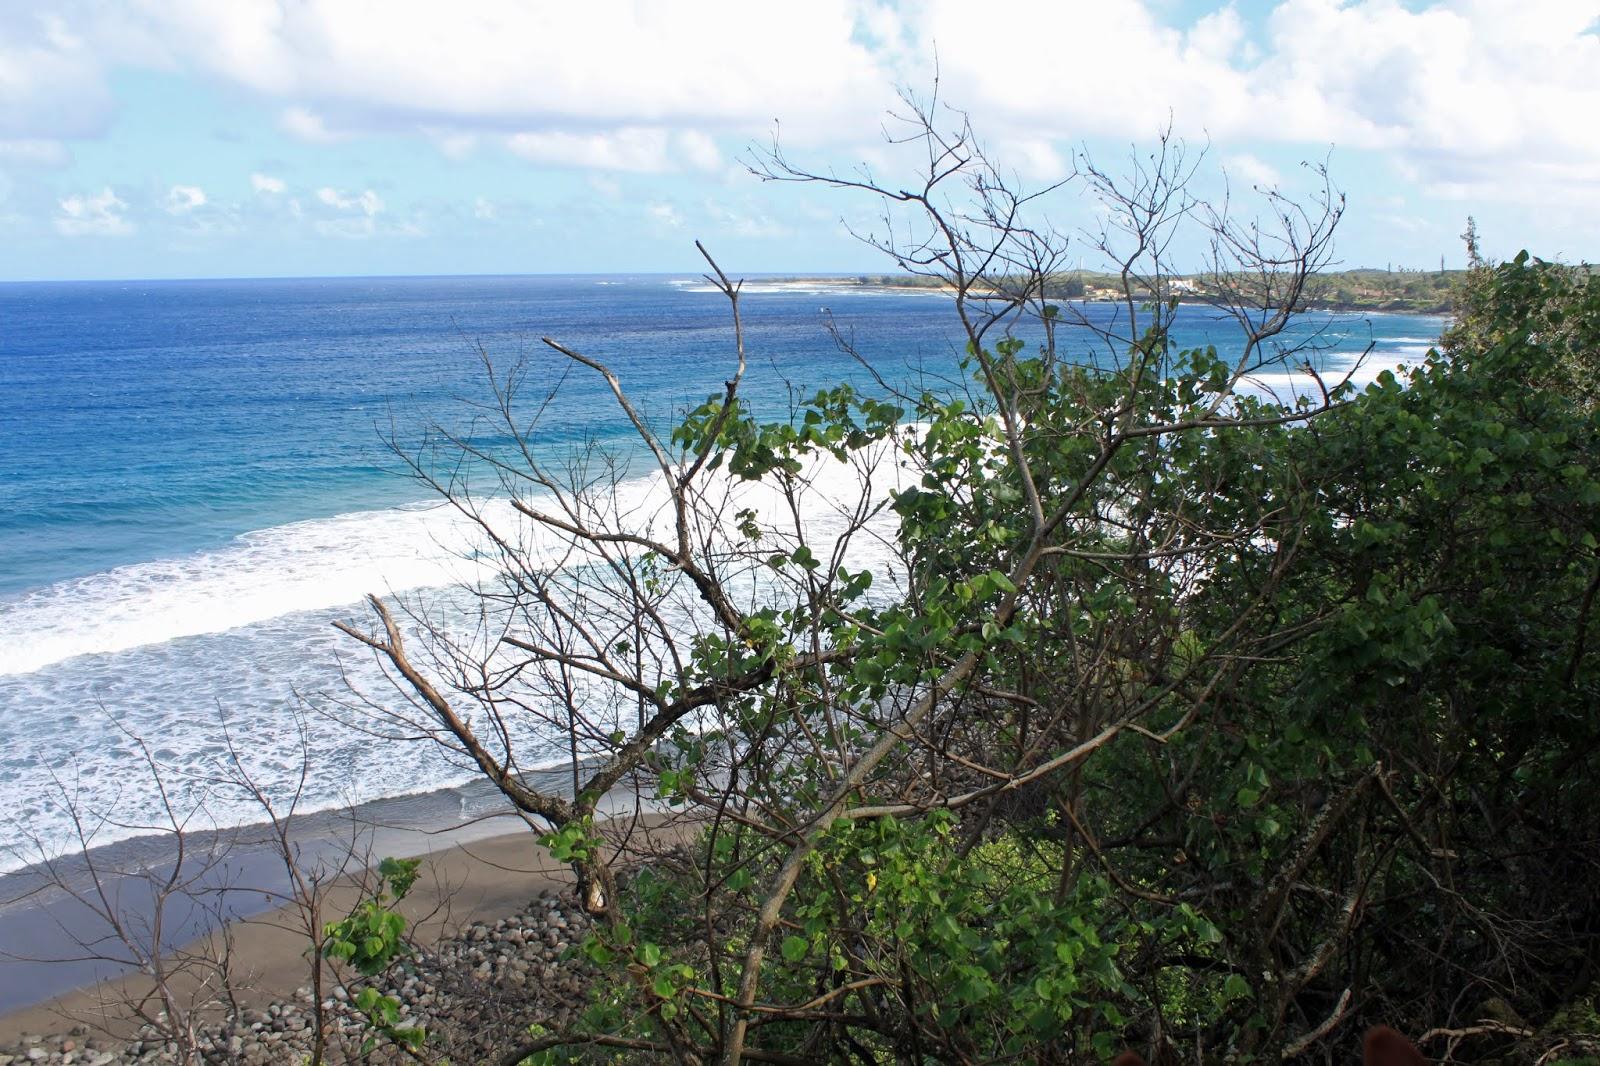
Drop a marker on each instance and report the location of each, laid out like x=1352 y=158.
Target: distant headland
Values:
x=1367 y=289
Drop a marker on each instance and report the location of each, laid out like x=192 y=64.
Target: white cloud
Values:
x=308 y=126
x=1034 y=158
x=339 y=68
x=181 y=199
x=632 y=148
x=367 y=202
x=666 y=214
x=52 y=75
x=34 y=151
x=100 y=215
x=745 y=223
x=1449 y=90
x=1242 y=166
x=1221 y=36
x=512 y=64
x=352 y=215
x=698 y=151
x=482 y=208
x=1097 y=92
x=267 y=184
x=1439 y=88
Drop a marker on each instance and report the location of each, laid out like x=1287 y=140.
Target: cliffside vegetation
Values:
x=1164 y=716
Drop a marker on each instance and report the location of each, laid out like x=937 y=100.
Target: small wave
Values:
x=1283 y=384
x=266 y=574
x=261 y=575
x=807 y=288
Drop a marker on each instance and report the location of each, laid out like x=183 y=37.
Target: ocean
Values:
x=195 y=479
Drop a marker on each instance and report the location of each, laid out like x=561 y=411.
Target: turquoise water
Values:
x=194 y=479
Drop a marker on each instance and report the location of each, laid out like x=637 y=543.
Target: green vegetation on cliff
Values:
x=1108 y=704
x=1408 y=291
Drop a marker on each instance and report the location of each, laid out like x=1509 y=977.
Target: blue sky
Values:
x=188 y=138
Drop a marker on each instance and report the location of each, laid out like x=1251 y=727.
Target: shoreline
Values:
x=481 y=861
x=884 y=284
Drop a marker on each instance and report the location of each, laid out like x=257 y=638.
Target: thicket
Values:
x=1170 y=715
x=1419 y=291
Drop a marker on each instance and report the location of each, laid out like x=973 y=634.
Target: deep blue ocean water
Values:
x=194 y=480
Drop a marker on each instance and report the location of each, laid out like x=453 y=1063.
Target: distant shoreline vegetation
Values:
x=1407 y=291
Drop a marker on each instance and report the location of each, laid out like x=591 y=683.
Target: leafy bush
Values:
x=1174 y=715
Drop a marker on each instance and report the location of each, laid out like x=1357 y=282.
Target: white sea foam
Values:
x=167 y=652
x=261 y=575
x=1283 y=384
x=818 y=288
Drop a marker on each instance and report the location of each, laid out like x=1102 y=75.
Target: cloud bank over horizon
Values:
x=366 y=135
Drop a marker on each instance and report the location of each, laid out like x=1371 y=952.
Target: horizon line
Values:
x=754 y=274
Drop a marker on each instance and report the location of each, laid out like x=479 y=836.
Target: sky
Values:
x=235 y=138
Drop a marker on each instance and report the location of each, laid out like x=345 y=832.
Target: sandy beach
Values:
x=476 y=870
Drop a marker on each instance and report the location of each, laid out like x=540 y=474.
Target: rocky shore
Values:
x=473 y=992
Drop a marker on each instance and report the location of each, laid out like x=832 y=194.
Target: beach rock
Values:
x=474 y=993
